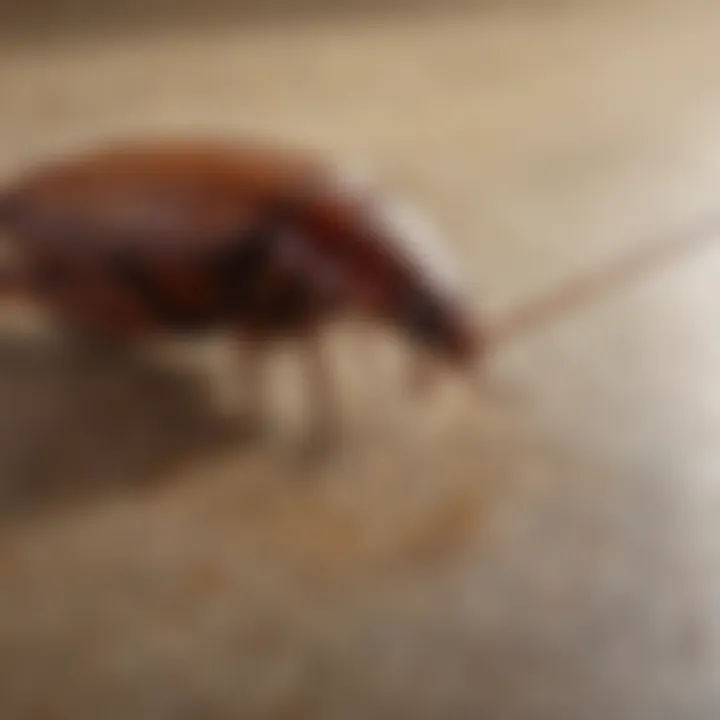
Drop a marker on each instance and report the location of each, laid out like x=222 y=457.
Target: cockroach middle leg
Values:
x=323 y=433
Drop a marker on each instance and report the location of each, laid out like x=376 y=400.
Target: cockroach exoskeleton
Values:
x=139 y=239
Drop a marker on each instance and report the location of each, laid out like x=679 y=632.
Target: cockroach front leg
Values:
x=422 y=374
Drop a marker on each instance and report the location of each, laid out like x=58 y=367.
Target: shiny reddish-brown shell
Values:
x=177 y=234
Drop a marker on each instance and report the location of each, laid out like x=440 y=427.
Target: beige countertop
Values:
x=552 y=551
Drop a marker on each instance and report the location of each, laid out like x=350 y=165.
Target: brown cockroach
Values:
x=137 y=239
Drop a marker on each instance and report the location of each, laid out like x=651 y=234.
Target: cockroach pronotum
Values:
x=137 y=239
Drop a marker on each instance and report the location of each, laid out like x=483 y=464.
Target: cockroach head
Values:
x=404 y=275
x=427 y=303
x=439 y=325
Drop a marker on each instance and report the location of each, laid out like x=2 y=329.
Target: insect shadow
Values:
x=77 y=423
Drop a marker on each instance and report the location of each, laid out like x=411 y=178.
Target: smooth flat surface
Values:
x=552 y=551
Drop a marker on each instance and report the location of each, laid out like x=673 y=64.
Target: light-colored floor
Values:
x=551 y=552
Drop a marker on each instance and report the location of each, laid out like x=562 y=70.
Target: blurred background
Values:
x=551 y=551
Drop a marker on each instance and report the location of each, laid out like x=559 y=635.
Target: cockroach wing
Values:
x=182 y=198
x=172 y=218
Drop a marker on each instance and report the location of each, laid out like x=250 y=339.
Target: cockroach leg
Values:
x=91 y=342
x=324 y=431
x=422 y=374
x=253 y=412
x=16 y=285
x=12 y=284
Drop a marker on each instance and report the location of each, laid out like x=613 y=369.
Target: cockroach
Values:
x=140 y=238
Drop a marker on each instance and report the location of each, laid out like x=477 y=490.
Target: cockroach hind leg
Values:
x=252 y=428
x=252 y=420
x=92 y=344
